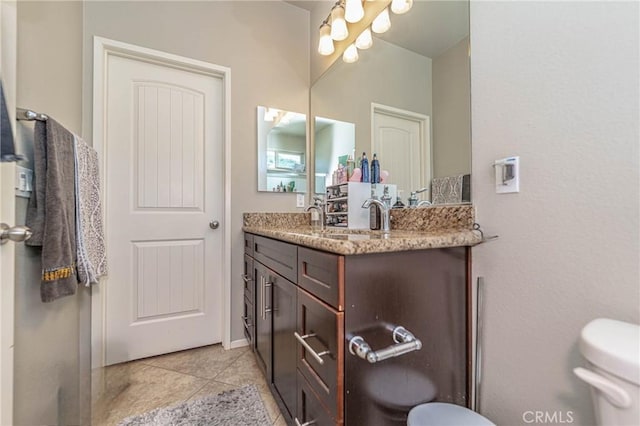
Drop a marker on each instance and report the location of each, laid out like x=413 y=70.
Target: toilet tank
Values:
x=612 y=349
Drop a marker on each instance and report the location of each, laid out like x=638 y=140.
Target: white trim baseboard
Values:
x=238 y=344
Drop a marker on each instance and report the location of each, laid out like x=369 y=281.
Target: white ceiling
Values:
x=429 y=28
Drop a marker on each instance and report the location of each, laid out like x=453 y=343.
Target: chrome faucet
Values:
x=385 y=212
x=318 y=205
x=413 y=198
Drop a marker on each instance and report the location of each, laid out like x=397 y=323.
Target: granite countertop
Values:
x=411 y=229
x=342 y=241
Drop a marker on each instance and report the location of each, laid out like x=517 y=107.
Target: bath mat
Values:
x=241 y=406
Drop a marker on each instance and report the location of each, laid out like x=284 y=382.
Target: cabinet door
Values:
x=248 y=320
x=284 y=343
x=263 y=319
x=248 y=277
x=322 y=329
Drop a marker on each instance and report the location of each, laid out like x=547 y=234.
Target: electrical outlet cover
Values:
x=507 y=171
x=300 y=200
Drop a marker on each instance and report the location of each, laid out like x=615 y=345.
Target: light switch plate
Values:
x=299 y=200
x=23 y=182
x=507 y=172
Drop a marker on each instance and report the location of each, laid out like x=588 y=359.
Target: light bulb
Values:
x=325 y=46
x=353 y=11
x=382 y=22
x=364 y=40
x=338 y=24
x=401 y=6
x=350 y=55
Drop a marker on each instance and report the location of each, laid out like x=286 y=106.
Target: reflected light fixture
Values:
x=350 y=55
x=353 y=11
x=325 y=46
x=364 y=40
x=382 y=23
x=338 y=24
x=401 y=6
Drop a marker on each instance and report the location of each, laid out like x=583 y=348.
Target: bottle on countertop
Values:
x=350 y=166
x=399 y=204
x=374 y=213
x=364 y=166
x=375 y=169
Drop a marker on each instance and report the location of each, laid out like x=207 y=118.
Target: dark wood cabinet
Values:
x=284 y=343
x=263 y=320
x=308 y=304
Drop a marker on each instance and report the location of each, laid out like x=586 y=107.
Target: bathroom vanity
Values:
x=358 y=327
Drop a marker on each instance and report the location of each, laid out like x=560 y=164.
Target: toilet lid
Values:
x=397 y=387
x=444 y=414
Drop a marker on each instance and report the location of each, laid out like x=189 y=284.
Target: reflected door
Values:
x=400 y=139
x=164 y=185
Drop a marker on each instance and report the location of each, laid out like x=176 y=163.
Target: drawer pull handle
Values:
x=309 y=423
x=309 y=349
x=246 y=278
x=405 y=342
x=246 y=324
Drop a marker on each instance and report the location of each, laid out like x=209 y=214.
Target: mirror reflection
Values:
x=282 y=141
x=335 y=143
x=409 y=99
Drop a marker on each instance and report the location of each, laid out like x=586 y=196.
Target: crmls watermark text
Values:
x=548 y=417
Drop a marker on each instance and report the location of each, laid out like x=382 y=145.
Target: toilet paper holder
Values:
x=405 y=342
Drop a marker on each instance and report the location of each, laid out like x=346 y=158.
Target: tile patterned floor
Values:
x=135 y=387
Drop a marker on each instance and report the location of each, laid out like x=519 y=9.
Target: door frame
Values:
x=102 y=49
x=424 y=122
x=8 y=61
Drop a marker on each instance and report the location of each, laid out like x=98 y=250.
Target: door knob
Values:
x=214 y=224
x=16 y=233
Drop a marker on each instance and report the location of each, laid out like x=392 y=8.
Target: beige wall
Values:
x=556 y=84
x=52 y=352
x=266 y=45
x=452 y=112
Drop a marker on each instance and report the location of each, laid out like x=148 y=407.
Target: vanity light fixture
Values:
x=364 y=40
x=325 y=46
x=338 y=24
x=350 y=54
x=353 y=11
x=382 y=22
x=401 y=6
x=335 y=28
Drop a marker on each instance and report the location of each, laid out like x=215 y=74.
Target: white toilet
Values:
x=612 y=349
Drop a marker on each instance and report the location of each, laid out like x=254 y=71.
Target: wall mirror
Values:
x=334 y=141
x=408 y=97
x=282 y=142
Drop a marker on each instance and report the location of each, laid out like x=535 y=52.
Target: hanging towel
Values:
x=91 y=254
x=51 y=213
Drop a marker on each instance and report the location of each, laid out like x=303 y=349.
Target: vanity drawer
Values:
x=309 y=407
x=278 y=256
x=322 y=329
x=248 y=280
x=248 y=244
x=322 y=274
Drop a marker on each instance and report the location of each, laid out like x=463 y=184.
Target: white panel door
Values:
x=401 y=145
x=164 y=185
